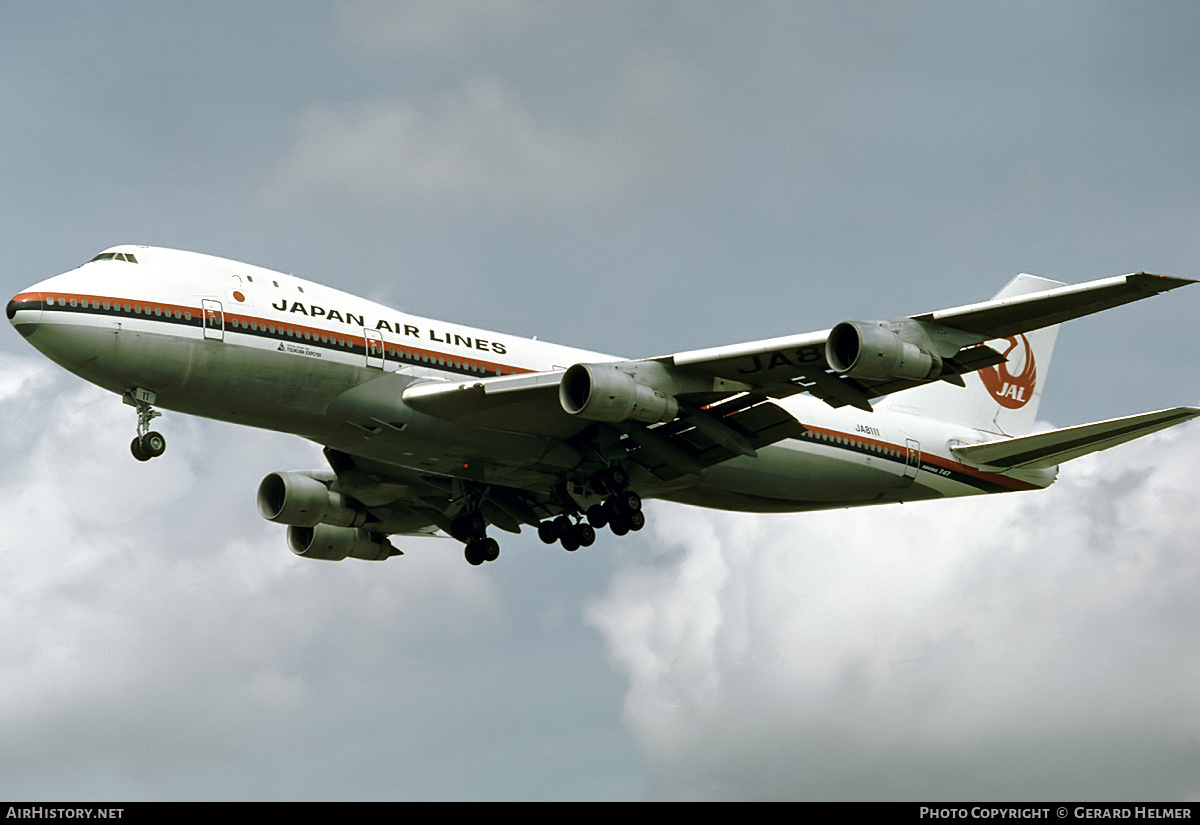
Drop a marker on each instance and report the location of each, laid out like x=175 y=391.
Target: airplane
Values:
x=433 y=428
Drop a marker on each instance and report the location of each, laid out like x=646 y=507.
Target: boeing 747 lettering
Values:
x=431 y=427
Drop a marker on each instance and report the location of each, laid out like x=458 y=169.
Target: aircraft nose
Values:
x=25 y=312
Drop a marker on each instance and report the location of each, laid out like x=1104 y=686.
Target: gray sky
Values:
x=639 y=178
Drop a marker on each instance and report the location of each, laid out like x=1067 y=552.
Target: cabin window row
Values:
x=130 y=309
x=255 y=326
x=855 y=442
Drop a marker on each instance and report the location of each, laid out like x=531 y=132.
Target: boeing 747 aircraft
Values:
x=430 y=426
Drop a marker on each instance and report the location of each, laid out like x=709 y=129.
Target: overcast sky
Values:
x=637 y=178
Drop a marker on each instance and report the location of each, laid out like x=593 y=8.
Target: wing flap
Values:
x=702 y=437
x=1042 y=450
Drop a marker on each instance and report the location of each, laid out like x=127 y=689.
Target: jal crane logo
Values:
x=1012 y=391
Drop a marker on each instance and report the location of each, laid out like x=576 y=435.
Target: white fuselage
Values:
x=234 y=342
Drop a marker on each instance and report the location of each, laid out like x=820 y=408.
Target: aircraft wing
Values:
x=401 y=499
x=706 y=428
x=779 y=367
x=421 y=503
x=525 y=403
x=1024 y=313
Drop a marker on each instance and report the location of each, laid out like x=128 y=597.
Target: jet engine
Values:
x=302 y=500
x=329 y=543
x=603 y=392
x=878 y=351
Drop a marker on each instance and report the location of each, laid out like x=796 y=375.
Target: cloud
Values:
x=483 y=146
x=1033 y=646
x=433 y=27
x=159 y=640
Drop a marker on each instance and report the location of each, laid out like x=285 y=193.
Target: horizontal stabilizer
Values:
x=1042 y=450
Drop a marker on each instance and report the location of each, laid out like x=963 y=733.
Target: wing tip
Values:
x=1160 y=283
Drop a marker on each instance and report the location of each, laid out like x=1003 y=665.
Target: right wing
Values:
x=783 y=366
x=677 y=414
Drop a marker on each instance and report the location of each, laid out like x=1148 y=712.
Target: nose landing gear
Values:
x=148 y=444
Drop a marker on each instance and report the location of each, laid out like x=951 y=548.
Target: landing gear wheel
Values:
x=478 y=551
x=548 y=531
x=490 y=548
x=628 y=501
x=587 y=536
x=597 y=516
x=615 y=478
x=636 y=520
x=152 y=444
x=136 y=449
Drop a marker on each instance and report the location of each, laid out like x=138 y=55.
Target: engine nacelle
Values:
x=603 y=392
x=330 y=543
x=301 y=500
x=878 y=351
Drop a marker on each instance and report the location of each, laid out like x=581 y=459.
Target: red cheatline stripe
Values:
x=895 y=452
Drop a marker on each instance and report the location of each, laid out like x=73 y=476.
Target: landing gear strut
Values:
x=148 y=444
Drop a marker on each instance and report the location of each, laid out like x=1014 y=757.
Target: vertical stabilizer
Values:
x=1002 y=399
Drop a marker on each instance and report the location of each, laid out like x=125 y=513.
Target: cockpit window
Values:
x=115 y=256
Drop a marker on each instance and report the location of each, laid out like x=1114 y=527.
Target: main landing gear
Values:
x=469 y=527
x=621 y=512
x=603 y=500
x=148 y=444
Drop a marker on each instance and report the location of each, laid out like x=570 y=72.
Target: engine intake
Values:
x=301 y=500
x=603 y=392
x=878 y=351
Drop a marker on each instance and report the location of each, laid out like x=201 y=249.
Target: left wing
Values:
x=695 y=424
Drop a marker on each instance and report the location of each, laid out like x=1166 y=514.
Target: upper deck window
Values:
x=115 y=256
